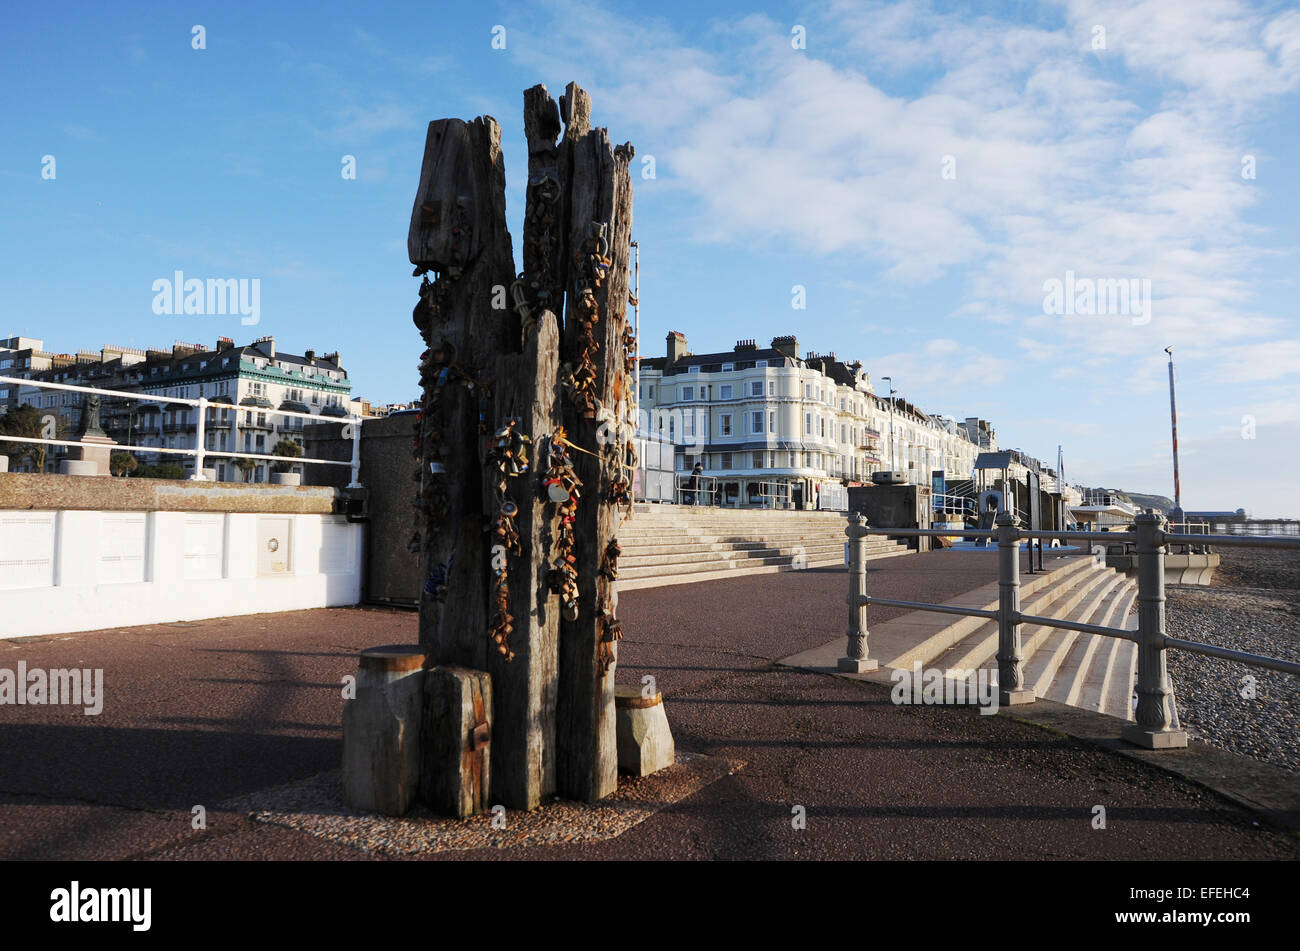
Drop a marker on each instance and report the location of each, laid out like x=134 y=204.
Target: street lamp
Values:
x=892 y=391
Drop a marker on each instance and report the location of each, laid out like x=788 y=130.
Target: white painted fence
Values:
x=64 y=571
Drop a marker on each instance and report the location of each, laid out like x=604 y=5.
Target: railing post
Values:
x=1154 y=728
x=200 y=438
x=1011 y=673
x=855 y=658
x=356 y=453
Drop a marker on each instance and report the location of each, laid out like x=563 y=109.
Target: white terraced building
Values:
x=773 y=429
x=242 y=382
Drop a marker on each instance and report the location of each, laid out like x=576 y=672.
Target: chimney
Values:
x=266 y=345
x=788 y=345
x=225 y=343
x=310 y=357
x=746 y=345
x=676 y=347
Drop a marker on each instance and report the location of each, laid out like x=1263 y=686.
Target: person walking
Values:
x=695 y=484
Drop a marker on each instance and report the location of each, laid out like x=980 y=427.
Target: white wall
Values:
x=79 y=571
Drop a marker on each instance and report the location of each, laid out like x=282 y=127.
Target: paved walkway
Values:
x=202 y=712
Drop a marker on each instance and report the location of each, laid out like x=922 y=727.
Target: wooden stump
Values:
x=381 y=731
x=456 y=759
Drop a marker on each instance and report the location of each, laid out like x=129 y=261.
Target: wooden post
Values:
x=524 y=357
x=458 y=229
x=599 y=199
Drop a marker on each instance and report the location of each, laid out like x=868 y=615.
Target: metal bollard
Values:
x=855 y=659
x=1011 y=673
x=1154 y=728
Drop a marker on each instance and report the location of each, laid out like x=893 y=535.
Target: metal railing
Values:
x=199 y=451
x=960 y=505
x=1155 y=727
x=686 y=495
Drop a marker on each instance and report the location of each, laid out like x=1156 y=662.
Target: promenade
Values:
x=202 y=713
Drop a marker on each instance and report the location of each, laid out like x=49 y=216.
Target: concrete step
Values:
x=1041 y=669
x=1072 y=679
x=922 y=636
x=652 y=577
x=979 y=648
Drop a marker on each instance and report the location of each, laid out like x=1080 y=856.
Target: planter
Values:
x=286 y=478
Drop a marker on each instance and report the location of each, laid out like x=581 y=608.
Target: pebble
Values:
x=1253 y=604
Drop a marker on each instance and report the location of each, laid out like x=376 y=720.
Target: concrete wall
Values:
x=894 y=506
x=93 y=553
x=387 y=467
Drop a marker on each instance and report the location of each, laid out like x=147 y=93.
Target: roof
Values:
x=993 y=460
x=741 y=359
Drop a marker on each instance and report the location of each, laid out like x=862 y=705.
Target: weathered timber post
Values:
x=855 y=659
x=508 y=393
x=1154 y=728
x=1011 y=672
x=598 y=229
x=458 y=229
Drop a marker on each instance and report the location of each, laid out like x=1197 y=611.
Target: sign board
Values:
x=1035 y=502
x=123 y=539
x=274 y=546
x=26 y=550
x=204 y=546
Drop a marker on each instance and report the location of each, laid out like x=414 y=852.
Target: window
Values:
x=756 y=388
x=758 y=422
x=724 y=391
x=694 y=369
x=725 y=420
x=688 y=424
x=771 y=387
x=672 y=429
x=760 y=364
x=823 y=427
x=758 y=460
x=807 y=424
x=688 y=392
x=726 y=367
x=652 y=392
x=844 y=434
x=726 y=460
x=771 y=422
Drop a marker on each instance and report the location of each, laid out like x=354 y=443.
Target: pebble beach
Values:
x=1253 y=604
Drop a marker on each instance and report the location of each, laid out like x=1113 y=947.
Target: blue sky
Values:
x=774 y=167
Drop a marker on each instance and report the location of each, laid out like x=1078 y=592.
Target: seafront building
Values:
x=771 y=427
x=244 y=381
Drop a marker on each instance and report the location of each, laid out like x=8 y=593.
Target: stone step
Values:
x=921 y=636
x=1073 y=675
x=654 y=580
x=980 y=647
x=1041 y=669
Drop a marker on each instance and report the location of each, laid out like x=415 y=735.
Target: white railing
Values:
x=954 y=505
x=199 y=452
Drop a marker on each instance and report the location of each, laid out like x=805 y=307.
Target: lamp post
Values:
x=892 y=391
x=1176 y=516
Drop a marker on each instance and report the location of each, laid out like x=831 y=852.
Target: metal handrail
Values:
x=1155 y=727
x=199 y=452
